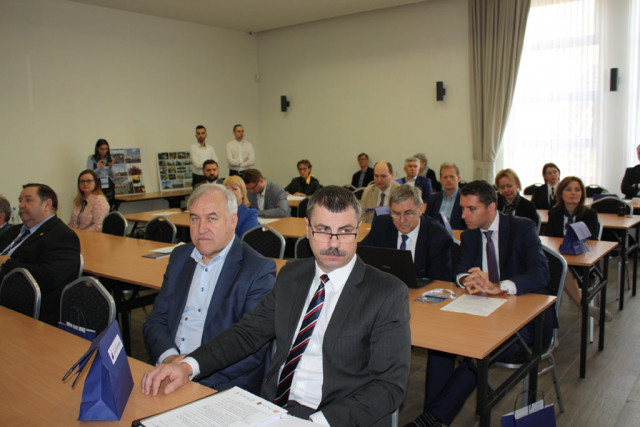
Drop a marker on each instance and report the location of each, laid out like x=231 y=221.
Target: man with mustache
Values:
x=341 y=328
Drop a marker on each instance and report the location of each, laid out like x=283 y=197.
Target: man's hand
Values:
x=478 y=282
x=176 y=373
x=174 y=358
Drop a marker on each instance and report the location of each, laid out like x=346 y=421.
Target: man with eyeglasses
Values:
x=377 y=194
x=405 y=228
x=341 y=329
x=411 y=168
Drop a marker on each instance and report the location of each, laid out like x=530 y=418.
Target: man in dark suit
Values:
x=267 y=197
x=448 y=200
x=405 y=228
x=44 y=245
x=629 y=185
x=411 y=168
x=353 y=369
x=208 y=286
x=5 y=215
x=544 y=197
x=428 y=173
x=364 y=176
x=499 y=255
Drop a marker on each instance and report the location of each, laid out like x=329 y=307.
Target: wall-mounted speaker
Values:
x=613 y=80
x=440 y=92
x=284 y=104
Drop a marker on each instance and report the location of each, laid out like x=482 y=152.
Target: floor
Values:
x=608 y=396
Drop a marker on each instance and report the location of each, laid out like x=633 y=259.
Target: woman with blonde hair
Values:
x=90 y=206
x=247 y=217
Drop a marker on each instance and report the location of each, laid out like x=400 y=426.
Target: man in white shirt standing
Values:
x=200 y=152
x=240 y=154
x=341 y=329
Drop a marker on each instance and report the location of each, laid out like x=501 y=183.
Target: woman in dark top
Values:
x=570 y=208
x=305 y=184
x=510 y=202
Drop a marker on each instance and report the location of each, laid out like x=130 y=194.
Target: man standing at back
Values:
x=240 y=154
x=341 y=329
x=448 y=200
x=411 y=168
x=200 y=152
x=378 y=193
x=406 y=228
x=208 y=286
x=44 y=245
x=266 y=196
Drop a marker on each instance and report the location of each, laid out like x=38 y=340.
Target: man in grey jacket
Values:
x=267 y=197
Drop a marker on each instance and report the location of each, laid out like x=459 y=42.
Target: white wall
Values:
x=72 y=73
x=366 y=82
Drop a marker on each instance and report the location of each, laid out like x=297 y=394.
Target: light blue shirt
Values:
x=447 y=204
x=23 y=229
x=203 y=284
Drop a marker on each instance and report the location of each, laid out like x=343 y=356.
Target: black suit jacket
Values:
x=433 y=210
x=435 y=185
x=525 y=208
x=540 y=197
x=368 y=177
x=433 y=247
x=52 y=256
x=366 y=350
x=631 y=176
x=298 y=185
x=555 y=226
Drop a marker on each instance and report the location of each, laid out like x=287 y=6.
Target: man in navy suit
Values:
x=411 y=168
x=448 y=200
x=208 y=287
x=499 y=255
x=44 y=245
x=405 y=228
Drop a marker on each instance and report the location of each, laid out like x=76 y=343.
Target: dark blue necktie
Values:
x=300 y=344
x=403 y=245
x=492 y=260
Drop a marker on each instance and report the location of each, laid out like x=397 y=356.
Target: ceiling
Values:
x=248 y=15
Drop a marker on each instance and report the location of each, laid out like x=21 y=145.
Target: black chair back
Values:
x=20 y=292
x=595 y=189
x=528 y=191
x=160 y=229
x=302 y=208
x=611 y=204
x=115 y=223
x=266 y=241
x=86 y=303
x=302 y=249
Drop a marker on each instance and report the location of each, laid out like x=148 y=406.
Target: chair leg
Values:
x=552 y=363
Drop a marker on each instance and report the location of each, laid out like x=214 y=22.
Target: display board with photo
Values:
x=174 y=170
x=127 y=170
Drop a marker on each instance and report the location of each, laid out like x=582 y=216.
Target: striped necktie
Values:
x=16 y=242
x=300 y=343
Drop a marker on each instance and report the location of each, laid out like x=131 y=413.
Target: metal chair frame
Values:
x=264 y=229
x=37 y=299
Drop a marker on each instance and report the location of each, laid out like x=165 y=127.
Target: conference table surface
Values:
x=608 y=220
x=121 y=258
x=33 y=358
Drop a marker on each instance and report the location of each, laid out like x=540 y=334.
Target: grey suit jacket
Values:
x=275 y=201
x=366 y=350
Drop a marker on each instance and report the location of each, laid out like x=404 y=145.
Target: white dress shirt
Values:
x=200 y=154
x=237 y=152
x=411 y=241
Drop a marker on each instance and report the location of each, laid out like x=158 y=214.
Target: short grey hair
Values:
x=421 y=157
x=206 y=188
x=335 y=199
x=412 y=159
x=406 y=192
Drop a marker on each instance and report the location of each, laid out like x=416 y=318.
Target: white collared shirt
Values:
x=260 y=197
x=411 y=241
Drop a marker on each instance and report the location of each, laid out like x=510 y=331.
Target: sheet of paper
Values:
x=291 y=197
x=474 y=304
x=265 y=221
x=167 y=249
x=167 y=213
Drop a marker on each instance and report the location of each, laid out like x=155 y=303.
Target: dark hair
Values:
x=549 y=165
x=385 y=162
x=560 y=206
x=96 y=190
x=235 y=126
x=209 y=162
x=201 y=127
x=5 y=208
x=485 y=192
x=304 y=162
x=363 y=154
x=335 y=199
x=99 y=143
x=45 y=192
x=251 y=176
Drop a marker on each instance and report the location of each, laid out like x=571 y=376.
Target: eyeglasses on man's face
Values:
x=406 y=214
x=324 y=235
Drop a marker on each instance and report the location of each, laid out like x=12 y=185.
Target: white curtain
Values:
x=555 y=116
x=633 y=137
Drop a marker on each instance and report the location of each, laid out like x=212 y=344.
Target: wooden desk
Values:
x=478 y=337
x=173 y=197
x=33 y=358
x=178 y=217
x=584 y=266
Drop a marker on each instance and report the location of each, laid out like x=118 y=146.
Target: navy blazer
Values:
x=368 y=177
x=520 y=251
x=433 y=248
x=246 y=277
x=424 y=184
x=433 y=210
x=52 y=256
x=366 y=352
